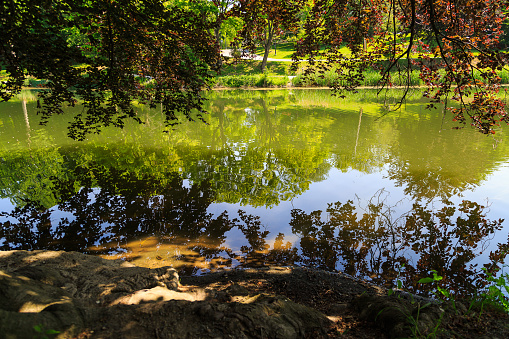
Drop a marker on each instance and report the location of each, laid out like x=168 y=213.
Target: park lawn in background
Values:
x=252 y=67
x=286 y=50
x=283 y=51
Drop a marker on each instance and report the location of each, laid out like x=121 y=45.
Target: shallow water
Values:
x=287 y=177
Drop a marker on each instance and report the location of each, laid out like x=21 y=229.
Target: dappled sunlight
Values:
x=180 y=253
x=157 y=294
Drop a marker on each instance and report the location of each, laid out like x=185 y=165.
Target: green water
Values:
x=319 y=181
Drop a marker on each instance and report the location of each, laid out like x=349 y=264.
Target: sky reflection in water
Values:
x=157 y=199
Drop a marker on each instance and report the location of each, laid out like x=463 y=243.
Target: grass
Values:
x=247 y=73
x=371 y=79
x=285 y=50
x=256 y=80
x=252 y=67
x=494 y=297
x=282 y=51
x=504 y=76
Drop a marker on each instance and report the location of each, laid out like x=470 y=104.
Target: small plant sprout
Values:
x=440 y=290
x=42 y=333
x=399 y=283
x=497 y=291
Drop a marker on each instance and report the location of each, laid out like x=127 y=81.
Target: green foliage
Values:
x=228 y=32
x=283 y=50
x=43 y=333
x=265 y=21
x=261 y=80
x=399 y=283
x=115 y=42
x=370 y=78
x=440 y=290
x=271 y=81
x=174 y=44
x=237 y=81
x=447 y=56
x=412 y=318
x=495 y=294
x=252 y=67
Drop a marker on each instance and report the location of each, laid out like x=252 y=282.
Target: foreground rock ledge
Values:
x=88 y=297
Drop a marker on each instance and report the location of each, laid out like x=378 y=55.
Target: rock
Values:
x=88 y=278
x=81 y=295
x=21 y=294
x=399 y=317
x=237 y=290
x=26 y=303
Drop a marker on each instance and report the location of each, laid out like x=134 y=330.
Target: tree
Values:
x=110 y=53
x=454 y=45
x=222 y=8
x=226 y=26
x=263 y=19
x=375 y=243
x=135 y=50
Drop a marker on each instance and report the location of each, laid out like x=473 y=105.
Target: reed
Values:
x=371 y=78
x=245 y=81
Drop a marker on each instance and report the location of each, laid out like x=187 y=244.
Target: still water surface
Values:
x=287 y=177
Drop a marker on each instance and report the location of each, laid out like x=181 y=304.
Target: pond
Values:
x=276 y=177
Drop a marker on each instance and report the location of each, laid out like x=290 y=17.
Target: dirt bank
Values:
x=83 y=296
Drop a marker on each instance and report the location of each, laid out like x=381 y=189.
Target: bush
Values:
x=371 y=78
x=259 y=80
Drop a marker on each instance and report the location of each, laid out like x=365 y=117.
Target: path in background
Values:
x=228 y=53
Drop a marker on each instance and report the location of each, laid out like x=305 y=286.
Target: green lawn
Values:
x=285 y=51
x=282 y=51
x=253 y=67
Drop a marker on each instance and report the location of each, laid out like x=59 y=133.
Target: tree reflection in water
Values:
x=373 y=244
x=379 y=247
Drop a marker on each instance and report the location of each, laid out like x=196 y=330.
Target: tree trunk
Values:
x=358 y=130
x=25 y=113
x=217 y=35
x=218 y=39
x=269 y=35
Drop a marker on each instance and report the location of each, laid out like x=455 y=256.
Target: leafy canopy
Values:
x=447 y=41
x=111 y=53
x=119 y=51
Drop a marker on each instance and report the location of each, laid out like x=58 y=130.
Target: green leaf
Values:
x=436 y=277
x=425 y=305
x=445 y=292
x=426 y=280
